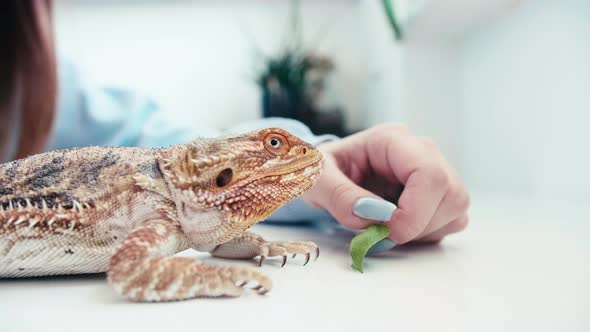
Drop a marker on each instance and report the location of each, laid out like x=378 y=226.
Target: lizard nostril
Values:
x=304 y=150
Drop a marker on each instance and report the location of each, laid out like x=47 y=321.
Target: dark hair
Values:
x=28 y=78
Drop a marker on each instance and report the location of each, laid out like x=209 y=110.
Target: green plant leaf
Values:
x=392 y=19
x=360 y=244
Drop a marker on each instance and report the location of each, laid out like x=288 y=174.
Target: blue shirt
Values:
x=89 y=115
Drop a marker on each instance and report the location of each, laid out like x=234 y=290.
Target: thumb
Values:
x=352 y=205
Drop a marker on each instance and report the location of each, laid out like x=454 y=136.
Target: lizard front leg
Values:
x=143 y=270
x=250 y=245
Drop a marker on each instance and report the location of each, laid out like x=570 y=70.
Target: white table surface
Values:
x=520 y=266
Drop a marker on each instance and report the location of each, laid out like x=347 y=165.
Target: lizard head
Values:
x=223 y=186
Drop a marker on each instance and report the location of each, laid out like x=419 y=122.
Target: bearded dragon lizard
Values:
x=126 y=211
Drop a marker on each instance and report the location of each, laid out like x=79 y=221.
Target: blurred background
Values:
x=503 y=86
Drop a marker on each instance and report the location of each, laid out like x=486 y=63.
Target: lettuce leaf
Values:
x=361 y=243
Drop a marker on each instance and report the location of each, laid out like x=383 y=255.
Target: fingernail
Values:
x=373 y=209
x=381 y=246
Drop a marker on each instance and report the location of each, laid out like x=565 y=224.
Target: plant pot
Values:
x=279 y=102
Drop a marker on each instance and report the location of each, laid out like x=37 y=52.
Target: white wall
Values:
x=502 y=86
x=432 y=104
x=197 y=58
x=526 y=94
x=384 y=59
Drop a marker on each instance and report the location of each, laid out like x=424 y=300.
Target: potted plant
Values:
x=293 y=81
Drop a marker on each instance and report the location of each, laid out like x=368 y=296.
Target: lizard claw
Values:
x=262 y=258
x=285 y=248
x=317 y=254
x=260 y=289
x=244 y=276
x=306 y=259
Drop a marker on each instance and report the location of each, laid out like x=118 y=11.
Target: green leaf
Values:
x=360 y=244
x=392 y=19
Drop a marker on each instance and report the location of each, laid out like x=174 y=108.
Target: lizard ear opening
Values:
x=224 y=177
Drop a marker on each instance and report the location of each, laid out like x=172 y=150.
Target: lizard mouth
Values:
x=309 y=171
x=316 y=163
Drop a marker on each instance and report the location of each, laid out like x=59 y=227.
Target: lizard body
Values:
x=127 y=211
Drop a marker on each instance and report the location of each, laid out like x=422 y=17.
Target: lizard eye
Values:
x=276 y=144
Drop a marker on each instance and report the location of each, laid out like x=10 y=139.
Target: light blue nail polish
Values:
x=373 y=209
x=381 y=246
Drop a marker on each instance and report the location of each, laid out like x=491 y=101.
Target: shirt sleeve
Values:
x=110 y=116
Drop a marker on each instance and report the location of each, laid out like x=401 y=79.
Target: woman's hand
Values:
x=389 y=162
